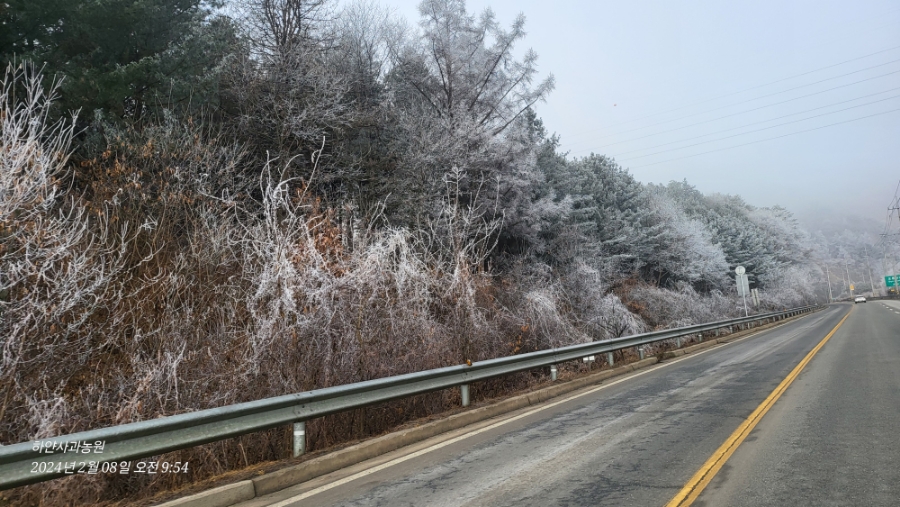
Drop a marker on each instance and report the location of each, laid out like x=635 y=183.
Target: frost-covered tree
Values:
x=358 y=199
x=853 y=246
x=464 y=70
x=283 y=98
x=612 y=211
x=461 y=100
x=683 y=250
x=766 y=241
x=124 y=57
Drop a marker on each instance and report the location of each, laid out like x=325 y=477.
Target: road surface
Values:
x=834 y=436
x=831 y=439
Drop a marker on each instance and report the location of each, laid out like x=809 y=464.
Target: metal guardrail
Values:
x=27 y=463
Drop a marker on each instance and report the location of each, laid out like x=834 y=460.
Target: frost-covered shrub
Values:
x=599 y=312
x=789 y=287
x=62 y=268
x=59 y=266
x=663 y=308
x=168 y=271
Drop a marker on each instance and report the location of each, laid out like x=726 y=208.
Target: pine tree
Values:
x=124 y=57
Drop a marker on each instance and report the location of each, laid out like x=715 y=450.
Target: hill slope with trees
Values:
x=199 y=209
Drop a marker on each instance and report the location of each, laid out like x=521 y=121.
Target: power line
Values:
x=690 y=104
x=773 y=138
x=751 y=131
x=772 y=94
x=738 y=113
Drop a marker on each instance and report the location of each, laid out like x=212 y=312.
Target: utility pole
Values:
x=849 y=283
x=869 y=266
x=843 y=280
x=894 y=265
x=828 y=277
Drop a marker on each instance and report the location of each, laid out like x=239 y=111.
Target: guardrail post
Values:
x=299 y=438
x=183 y=431
x=553 y=372
x=700 y=337
x=678 y=342
x=717 y=332
x=609 y=358
x=641 y=353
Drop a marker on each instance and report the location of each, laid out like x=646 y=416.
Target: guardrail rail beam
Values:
x=24 y=463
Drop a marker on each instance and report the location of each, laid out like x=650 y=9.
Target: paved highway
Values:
x=638 y=440
x=834 y=437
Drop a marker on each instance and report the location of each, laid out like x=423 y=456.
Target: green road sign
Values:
x=889 y=281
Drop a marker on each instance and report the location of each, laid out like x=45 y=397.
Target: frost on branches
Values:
x=364 y=199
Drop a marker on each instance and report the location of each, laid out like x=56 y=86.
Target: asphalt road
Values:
x=834 y=436
x=637 y=440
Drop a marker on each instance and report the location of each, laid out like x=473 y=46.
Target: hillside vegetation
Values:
x=199 y=209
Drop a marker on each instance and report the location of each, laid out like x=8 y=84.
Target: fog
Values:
x=650 y=82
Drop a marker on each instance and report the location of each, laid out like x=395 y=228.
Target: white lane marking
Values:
x=401 y=459
x=445 y=443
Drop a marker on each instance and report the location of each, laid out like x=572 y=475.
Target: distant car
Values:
x=859 y=299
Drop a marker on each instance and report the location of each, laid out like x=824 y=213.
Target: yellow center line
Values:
x=702 y=478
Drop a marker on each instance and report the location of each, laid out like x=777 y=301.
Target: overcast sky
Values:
x=639 y=80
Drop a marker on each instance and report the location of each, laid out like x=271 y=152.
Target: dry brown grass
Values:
x=156 y=279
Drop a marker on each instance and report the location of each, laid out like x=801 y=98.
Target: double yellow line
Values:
x=702 y=478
